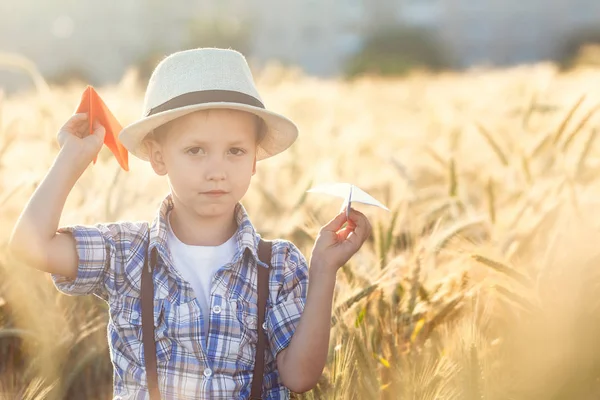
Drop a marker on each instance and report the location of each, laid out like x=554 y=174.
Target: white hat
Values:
x=200 y=79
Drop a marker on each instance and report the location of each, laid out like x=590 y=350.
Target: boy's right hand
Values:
x=74 y=137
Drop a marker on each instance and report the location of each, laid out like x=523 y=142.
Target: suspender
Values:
x=264 y=254
x=148 y=327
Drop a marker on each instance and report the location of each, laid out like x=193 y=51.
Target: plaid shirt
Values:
x=190 y=365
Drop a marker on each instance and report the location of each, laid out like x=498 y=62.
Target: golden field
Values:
x=479 y=284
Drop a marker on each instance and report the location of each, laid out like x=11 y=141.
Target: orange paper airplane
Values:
x=92 y=104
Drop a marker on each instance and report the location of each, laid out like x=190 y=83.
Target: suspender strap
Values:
x=264 y=254
x=148 y=326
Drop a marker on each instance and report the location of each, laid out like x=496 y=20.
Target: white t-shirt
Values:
x=198 y=264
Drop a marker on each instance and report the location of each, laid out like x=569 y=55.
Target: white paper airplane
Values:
x=349 y=193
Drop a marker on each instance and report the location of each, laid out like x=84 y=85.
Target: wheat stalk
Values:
x=568 y=117
x=443 y=238
x=453 y=190
x=491 y=200
x=19 y=62
x=585 y=152
x=493 y=144
x=339 y=310
x=584 y=120
x=504 y=269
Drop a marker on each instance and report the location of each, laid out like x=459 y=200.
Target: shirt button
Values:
x=217 y=309
x=207 y=372
x=264 y=325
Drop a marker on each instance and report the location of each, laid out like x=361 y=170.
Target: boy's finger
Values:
x=362 y=224
x=75 y=121
x=358 y=236
x=76 y=118
x=336 y=223
x=99 y=131
x=96 y=124
x=350 y=224
x=81 y=129
x=357 y=217
x=343 y=234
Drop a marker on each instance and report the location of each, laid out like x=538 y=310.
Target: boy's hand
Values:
x=335 y=246
x=74 y=137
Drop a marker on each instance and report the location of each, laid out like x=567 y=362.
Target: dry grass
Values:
x=480 y=284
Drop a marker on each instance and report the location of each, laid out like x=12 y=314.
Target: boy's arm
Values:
x=301 y=363
x=34 y=238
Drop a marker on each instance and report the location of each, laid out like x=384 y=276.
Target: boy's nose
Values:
x=216 y=166
x=216 y=172
x=216 y=175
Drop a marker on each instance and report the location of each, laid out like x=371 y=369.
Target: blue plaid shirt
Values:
x=190 y=365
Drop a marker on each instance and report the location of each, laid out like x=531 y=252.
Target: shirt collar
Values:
x=246 y=237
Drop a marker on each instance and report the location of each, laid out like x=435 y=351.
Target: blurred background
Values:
x=475 y=122
x=81 y=40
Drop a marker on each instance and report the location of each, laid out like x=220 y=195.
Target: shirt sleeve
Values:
x=95 y=247
x=282 y=318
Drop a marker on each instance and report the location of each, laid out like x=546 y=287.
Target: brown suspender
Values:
x=148 y=327
x=264 y=254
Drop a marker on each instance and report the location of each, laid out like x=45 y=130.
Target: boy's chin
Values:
x=214 y=209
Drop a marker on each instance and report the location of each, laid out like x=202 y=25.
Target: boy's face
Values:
x=212 y=150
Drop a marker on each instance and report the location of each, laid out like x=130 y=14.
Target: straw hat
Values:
x=201 y=79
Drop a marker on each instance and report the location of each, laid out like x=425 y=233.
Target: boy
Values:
x=204 y=127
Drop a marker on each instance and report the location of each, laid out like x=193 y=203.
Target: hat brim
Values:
x=280 y=132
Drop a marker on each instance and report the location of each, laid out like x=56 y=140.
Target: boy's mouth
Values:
x=214 y=193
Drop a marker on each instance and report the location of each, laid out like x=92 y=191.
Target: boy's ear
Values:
x=156 y=157
x=254 y=166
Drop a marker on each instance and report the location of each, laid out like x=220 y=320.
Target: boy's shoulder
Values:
x=115 y=230
x=283 y=245
x=286 y=255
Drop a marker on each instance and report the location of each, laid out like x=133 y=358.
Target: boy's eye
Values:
x=194 y=150
x=236 y=151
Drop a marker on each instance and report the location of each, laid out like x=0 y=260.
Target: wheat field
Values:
x=478 y=284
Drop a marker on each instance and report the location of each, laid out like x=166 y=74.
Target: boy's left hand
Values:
x=335 y=246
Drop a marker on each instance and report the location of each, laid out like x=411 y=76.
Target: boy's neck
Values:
x=196 y=231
